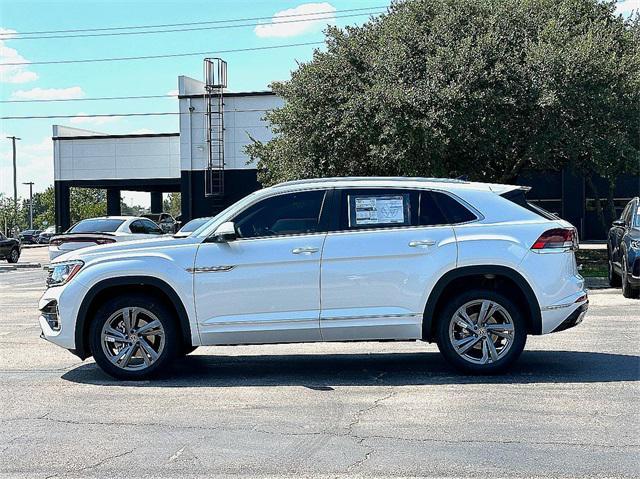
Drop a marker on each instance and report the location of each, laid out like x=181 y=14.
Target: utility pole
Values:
x=30 y=183
x=15 y=181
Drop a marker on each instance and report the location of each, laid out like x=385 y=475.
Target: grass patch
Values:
x=593 y=262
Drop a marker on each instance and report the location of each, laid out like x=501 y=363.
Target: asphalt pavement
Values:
x=570 y=407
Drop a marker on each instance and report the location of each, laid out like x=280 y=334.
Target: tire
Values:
x=13 y=256
x=504 y=328
x=615 y=281
x=123 y=353
x=628 y=291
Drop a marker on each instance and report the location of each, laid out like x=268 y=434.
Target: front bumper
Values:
x=67 y=300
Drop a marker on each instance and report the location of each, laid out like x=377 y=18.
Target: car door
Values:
x=617 y=234
x=4 y=245
x=264 y=286
x=378 y=266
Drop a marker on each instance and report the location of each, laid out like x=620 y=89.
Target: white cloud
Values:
x=13 y=73
x=92 y=120
x=627 y=6
x=35 y=163
x=48 y=93
x=284 y=24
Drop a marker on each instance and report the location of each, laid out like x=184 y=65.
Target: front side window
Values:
x=288 y=214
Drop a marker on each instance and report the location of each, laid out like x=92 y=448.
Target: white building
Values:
x=164 y=162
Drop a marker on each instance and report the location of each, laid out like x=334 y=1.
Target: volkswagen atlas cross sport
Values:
x=470 y=266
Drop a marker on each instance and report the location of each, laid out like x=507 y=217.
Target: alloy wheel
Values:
x=15 y=256
x=481 y=331
x=133 y=338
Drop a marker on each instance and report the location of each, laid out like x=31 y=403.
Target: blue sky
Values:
x=247 y=71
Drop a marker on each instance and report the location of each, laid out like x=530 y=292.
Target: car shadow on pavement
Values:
x=322 y=372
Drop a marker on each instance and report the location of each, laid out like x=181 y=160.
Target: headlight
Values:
x=61 y=273
x=635 y=244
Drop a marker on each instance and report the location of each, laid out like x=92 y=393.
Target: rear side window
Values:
x=438 y=208
x=391 y=208
x=519 y=197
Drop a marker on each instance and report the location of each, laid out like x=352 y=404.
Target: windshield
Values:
x=96 y=226
x=193 y=225
x=636 y=221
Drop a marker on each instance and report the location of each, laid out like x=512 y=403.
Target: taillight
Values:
x=557 y=238
x=55 y=242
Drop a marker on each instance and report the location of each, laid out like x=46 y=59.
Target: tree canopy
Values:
x=480 y=88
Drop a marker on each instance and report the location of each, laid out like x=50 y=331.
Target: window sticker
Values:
x=379 y=210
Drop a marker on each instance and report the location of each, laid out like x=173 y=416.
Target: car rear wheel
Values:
x=481 y=332
x=628 y=291
x=14 y=256
x=134 y=337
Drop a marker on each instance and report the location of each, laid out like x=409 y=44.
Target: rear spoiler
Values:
x=98 y=238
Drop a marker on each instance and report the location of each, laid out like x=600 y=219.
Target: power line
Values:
x=131 y=27
x=170 y=55
x=115 y=115
x=218 y=27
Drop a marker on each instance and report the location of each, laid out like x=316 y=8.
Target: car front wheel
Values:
x=614 y=278
x=134 y=337
x=14 y=256
x=481 y=332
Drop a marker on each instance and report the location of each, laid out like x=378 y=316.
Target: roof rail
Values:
x=370 y=178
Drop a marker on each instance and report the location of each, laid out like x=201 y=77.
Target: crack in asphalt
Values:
x=92 y=466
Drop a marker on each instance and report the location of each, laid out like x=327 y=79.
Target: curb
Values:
x=15 y=266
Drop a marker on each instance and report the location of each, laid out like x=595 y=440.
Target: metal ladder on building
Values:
x=215 y=79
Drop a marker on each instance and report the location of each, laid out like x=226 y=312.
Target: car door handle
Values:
x=304 y=250
x=421 y=243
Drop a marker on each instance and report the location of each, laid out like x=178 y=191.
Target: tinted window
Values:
x=452 y=210
x=296 y=213
x=145 y=227
x=96 y=226
x=194 y=225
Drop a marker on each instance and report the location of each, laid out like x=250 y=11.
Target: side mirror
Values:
x=619 y=223
x=224 y=233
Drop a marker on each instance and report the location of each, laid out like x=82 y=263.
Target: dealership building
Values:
x=206 y=162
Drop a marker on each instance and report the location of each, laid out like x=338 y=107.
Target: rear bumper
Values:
x=574 y=318
x=555 y=315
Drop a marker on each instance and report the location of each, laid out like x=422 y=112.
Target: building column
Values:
x=113 y=202
x=573 y=199
x=156 y=202
x=62 y=206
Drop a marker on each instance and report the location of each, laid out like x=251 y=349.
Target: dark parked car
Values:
x=45 y=236
x=166 y=222
x=29 y=236
x=9 y=249
x=623 y=247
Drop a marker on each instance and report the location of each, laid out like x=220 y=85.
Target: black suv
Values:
x=623 y=247
x=29 y=236
x=9 y=249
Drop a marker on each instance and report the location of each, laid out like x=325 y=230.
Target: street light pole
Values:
x=15 y=180
x=30 y=183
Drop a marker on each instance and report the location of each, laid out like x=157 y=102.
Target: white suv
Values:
x=471 y=266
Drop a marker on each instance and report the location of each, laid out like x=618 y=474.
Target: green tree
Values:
x=481 y=88
x=172 y=204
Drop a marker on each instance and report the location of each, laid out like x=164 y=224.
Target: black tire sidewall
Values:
x=447 y=349
x=165 y=316
x=10 y=257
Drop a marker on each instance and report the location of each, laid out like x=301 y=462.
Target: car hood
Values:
x=124 y=248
